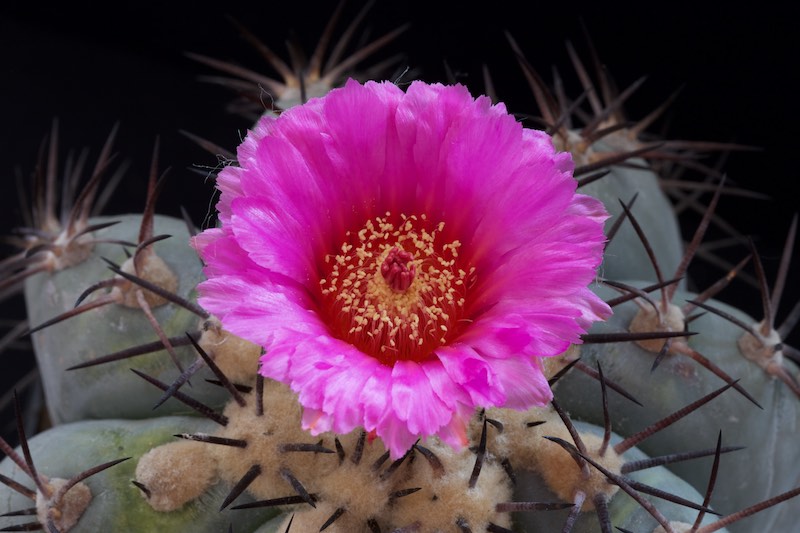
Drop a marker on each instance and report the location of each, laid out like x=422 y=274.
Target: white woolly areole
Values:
x=152 y=269
x=235 y=357
x=65 y=512
x=760 y=348
x=647 y=319
x=176 y=473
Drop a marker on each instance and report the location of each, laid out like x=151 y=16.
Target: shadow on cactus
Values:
x=435 y=304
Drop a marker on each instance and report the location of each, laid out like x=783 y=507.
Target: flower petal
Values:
x=414 y=401
x=306 y=184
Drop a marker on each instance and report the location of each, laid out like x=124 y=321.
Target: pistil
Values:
x=398 y=270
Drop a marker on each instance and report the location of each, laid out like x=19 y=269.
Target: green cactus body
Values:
x=112 y=390
x=440 y=492
x=116 y=504
x=769 y=434
x=625 y=258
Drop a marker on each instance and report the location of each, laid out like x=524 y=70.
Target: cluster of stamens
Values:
x=395 y=290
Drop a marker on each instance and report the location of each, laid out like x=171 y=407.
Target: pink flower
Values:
x=403 y=257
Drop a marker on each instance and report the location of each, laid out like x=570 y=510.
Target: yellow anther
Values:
x=419 y=290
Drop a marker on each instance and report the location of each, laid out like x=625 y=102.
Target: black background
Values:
x=92 y=67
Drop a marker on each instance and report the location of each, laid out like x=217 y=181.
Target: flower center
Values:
x=396 y=290
x=396 y=270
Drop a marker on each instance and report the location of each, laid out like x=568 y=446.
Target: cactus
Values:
x=162 y=422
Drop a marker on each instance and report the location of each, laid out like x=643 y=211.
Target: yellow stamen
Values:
x=394 y=290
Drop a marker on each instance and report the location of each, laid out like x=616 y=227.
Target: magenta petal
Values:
x=395 y=435
x=524 y=382
x=262 y=234
x=448 y=391
x=455 y=433
x=473 y=373
x=316 y=421
x=414 y=401
x=375 y=396
x=295 y=266
x=338 y=402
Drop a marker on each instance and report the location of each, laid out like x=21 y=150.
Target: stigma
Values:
x=398 y=270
